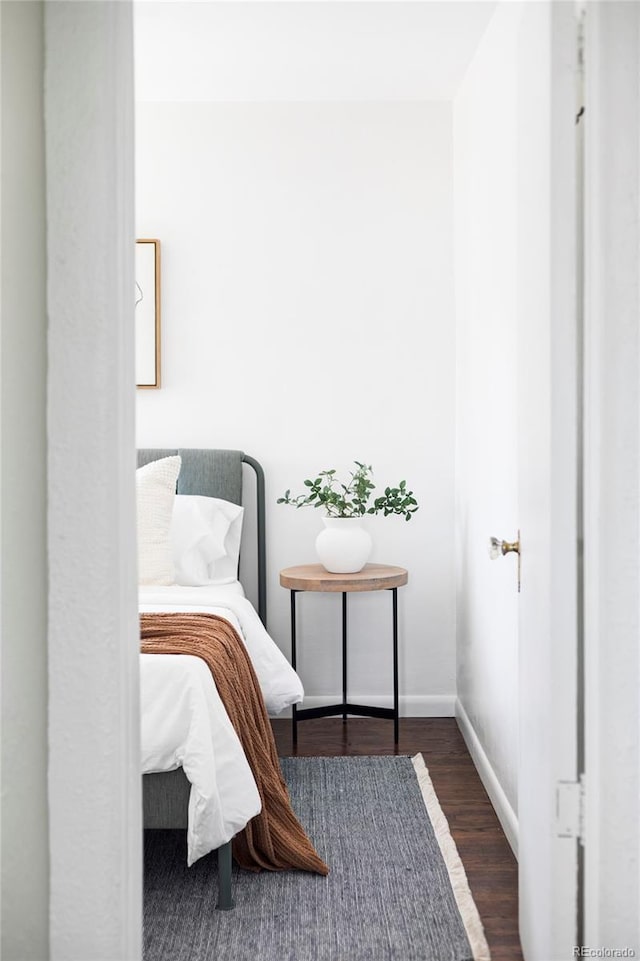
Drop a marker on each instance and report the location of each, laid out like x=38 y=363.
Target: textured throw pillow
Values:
x=205 y=540
x=155 y=493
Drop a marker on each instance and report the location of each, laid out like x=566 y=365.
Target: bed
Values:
x=185 y=726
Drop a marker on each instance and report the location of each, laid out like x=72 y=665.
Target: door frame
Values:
x=95 y=789
x=612 y=474
x=548 y=469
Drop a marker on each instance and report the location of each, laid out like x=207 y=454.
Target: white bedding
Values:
x=184 y=722
x=281 y=686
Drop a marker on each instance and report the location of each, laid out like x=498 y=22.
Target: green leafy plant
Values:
x=352 y=499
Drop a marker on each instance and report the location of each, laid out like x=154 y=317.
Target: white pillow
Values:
x=205 y=540
x=155 y=494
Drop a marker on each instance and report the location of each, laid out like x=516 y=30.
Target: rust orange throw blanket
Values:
x=274 y=839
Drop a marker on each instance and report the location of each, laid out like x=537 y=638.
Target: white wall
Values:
x=485 y=140
x=25 y=825
x=308 y=319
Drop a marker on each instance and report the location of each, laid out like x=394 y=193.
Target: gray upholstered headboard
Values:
x=218 y=473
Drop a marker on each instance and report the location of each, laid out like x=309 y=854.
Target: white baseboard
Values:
x=411 y=705
x=505 y=813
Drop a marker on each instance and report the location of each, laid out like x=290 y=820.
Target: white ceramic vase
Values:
x=344 y=546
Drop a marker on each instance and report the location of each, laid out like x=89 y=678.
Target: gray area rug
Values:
x=389 y=895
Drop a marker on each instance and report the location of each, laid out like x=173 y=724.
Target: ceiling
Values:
x=221 y=50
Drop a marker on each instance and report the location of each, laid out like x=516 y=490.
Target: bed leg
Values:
x=225 y=899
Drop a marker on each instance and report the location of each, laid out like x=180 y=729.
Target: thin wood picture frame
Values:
x=147 y=314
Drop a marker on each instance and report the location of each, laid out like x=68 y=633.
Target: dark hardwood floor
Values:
x=491 y=868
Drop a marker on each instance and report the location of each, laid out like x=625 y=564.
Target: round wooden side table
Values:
x=372 y=577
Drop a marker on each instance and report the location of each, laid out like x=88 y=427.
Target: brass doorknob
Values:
x=497 y=548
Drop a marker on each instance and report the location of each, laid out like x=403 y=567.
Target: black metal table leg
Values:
x=395 y=665
x=294 y=710
x=344 y=654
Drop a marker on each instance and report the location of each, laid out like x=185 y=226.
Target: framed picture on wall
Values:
x=147 y=315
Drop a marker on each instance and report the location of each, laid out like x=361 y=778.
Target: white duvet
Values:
x=185 y=724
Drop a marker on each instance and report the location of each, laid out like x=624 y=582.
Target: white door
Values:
x=548 y=476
